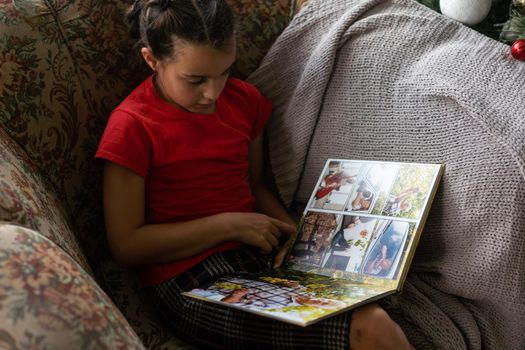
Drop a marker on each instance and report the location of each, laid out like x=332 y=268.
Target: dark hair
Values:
x=155 y=23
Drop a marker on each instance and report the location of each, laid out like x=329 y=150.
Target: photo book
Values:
x=354 y=244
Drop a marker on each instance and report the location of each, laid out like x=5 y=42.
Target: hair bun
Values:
x=133 y=17
x=164 y=4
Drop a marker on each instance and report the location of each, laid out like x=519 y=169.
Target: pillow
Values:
x=47 y=301
x=26 y=200
x=258 y=25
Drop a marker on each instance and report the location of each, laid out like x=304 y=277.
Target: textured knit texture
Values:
x=392 y=80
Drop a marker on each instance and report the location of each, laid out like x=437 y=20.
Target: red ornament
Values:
x=518 y=49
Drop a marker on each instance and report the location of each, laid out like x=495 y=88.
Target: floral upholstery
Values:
x=47 y=301
x=25 y=200
x=258 y=25
x=298 y=5
x=64 y=65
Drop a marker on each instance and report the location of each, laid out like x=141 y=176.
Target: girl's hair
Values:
x=156 y=23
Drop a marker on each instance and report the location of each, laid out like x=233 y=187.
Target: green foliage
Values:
x=228 y=286
x=419 y=178
x=433 y=4
x=307 y=312
x=360 y=243
x=493 y=24
x=514 y=28
x=378 y=206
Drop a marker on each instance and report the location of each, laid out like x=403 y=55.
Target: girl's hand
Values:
x=259 y=230
x=277 y=262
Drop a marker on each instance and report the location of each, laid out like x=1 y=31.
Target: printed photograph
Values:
x=314 y=238
x=374 y=179
x=336 y=185
x=356 y=236
x=386 y=248
x=409 y=192
x=288 y=295
x=350 y=243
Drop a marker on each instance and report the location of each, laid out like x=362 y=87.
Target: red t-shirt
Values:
x=194 y=165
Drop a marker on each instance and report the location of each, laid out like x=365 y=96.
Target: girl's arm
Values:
x=267 y=203
x=134 y=243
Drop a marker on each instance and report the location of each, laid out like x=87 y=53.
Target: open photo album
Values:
x=354 y=244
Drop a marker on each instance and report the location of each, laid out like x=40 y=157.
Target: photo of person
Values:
x=397 y=205
x=350 y=243
x=258 y=294
x=383 y=256
x=314 y=238
x=242 y=296
x=341 y=238
x=369 y=183
x=263 y=295
x=363 y=198
x=334 y=182
x=408 y=193
x=335 y=186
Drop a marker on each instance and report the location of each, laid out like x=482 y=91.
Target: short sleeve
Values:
x=126 y=142
x=262 y=113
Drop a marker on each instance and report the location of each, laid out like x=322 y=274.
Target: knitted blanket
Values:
x=393 y=80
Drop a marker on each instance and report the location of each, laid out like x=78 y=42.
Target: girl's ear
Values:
x=149 y=58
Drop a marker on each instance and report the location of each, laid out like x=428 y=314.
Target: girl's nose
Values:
x=212 y=90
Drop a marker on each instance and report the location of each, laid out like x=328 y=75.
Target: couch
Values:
x=64 y=65
x=390 y=79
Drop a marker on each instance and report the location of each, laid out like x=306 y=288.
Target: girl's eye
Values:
x=197 y=81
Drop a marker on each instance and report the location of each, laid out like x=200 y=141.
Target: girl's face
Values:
x=195 y=77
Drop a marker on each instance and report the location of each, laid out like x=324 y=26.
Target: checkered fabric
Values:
x=211 y=326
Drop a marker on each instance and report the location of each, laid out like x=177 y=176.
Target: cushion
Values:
x=26 y=199
x=65 y=65
x=47 y=301
x=299 y=4
x=258 y=25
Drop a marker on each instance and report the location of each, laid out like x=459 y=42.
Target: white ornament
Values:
x=469 y=12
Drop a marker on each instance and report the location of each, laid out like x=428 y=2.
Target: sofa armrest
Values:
x=48 y=301
x=26 y=199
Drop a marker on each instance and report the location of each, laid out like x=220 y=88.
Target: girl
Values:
x=183 y=180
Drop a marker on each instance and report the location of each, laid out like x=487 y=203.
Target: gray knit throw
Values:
x=393 y=80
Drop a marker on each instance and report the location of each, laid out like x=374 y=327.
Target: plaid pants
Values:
x=211 y=326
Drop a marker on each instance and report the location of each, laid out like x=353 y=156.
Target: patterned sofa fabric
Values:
x=26 y=200
x=47 y=301
x=258 y=25
x=298 y=5
x=65 y=65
